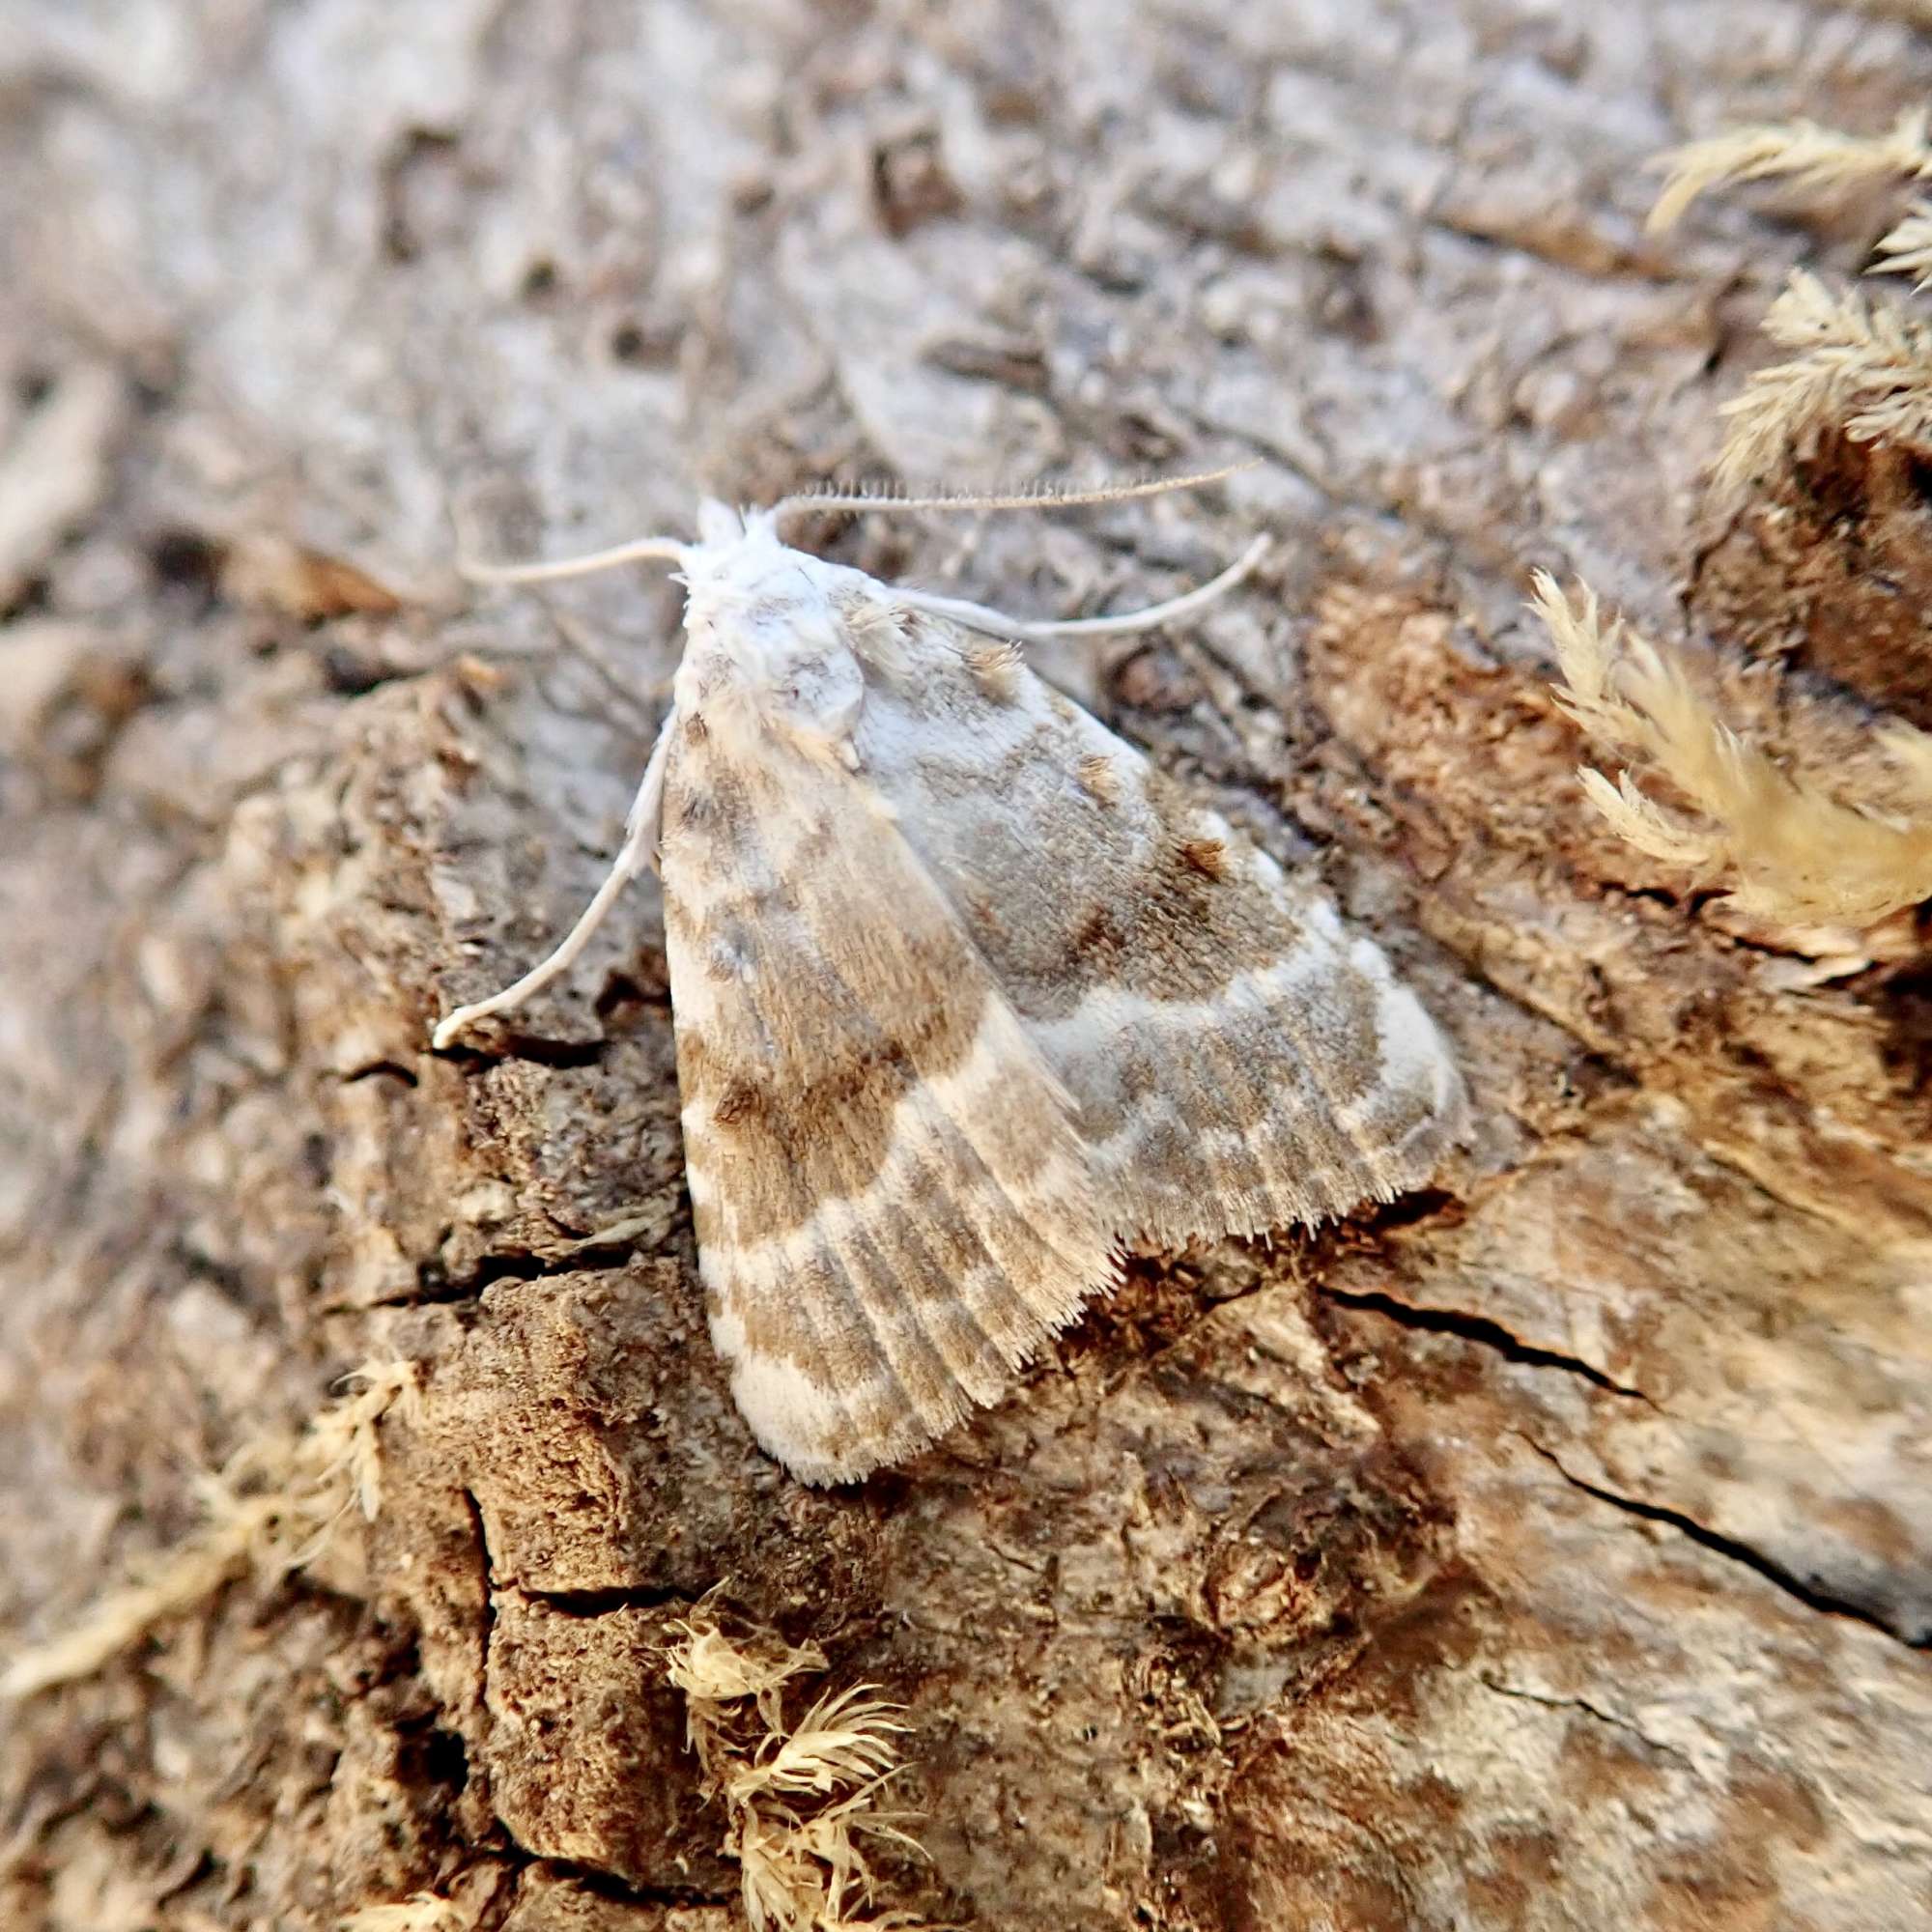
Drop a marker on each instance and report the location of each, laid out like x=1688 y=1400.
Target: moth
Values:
x=967 y=993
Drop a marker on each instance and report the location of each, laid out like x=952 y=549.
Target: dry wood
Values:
x=1552 y=1550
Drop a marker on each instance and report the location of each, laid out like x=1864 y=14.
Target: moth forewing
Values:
x=1237 y=1060
x=892 y=1203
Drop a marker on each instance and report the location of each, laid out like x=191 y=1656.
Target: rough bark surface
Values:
x=1554 y=1549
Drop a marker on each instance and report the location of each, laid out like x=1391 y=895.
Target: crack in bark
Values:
x=489 y=1631
x=604 y=1602
x=595 y=1879
x=537 y=1048
x=1486 y=1332
x=1489 y=1333
x=1812 y=1595
x=601 y=1884
x=1589 y=1710
x=517 y=1858
x=379 y=1069
x=434 y=1283
x=437 y=1288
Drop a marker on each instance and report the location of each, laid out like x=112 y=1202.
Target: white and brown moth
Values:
x=966 y=995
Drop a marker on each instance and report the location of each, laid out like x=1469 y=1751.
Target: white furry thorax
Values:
x=769 y=635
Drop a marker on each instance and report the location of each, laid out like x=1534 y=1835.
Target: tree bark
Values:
x=1552 y=1549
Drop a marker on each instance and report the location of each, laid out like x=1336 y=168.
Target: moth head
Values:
x=766 y=645
x=719 y=522
x=740 y=568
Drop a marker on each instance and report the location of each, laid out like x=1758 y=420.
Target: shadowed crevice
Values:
x=1483 y=1330
x=1808 y=1592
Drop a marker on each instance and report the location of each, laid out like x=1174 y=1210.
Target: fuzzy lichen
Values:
x=798 y=1797
x=1787 y=850
x=1865 y=369
x=270 y=1509
x=1807 y=158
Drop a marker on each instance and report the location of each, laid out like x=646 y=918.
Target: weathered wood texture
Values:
x=1552 y=1550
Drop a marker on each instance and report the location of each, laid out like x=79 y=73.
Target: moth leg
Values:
x=639 y=849
x=994 y=623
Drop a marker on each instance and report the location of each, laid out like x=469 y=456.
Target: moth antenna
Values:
x=1038 y=497
x=668 y=549
x=995 y=623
